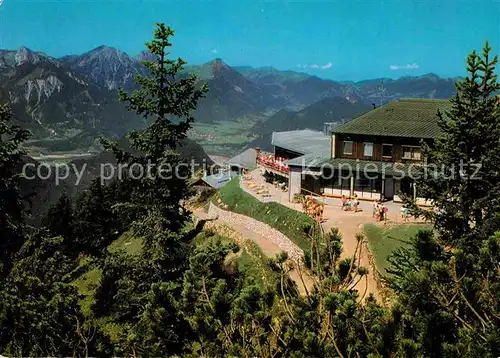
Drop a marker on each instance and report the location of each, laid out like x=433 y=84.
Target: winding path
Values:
x=267 y=244
x=348 y=224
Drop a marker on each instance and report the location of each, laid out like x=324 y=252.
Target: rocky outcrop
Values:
x=41 y=89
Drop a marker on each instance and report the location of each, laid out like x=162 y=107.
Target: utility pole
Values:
x=382 y=90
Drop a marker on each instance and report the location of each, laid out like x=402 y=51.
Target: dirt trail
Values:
x=349 y=224
x=267 y=247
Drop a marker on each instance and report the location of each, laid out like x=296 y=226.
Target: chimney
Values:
x=257 y=152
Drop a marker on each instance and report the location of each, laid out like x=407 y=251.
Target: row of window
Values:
x=409 y=152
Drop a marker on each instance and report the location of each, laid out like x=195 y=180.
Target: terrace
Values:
x=274 y=164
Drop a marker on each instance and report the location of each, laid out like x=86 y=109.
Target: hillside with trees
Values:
x=71 y=287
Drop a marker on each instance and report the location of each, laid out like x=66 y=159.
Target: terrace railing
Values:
x=270 y=162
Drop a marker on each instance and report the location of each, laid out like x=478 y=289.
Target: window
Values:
x=368 y=150
x=348 y=147
x=387 y=150
x=411 y=153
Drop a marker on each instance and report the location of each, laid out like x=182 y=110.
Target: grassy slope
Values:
x=128 y=242
x=382 y=242
x=88 y=281
x=250 y=261
x=290 y=222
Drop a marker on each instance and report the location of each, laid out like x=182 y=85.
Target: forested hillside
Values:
x=122 y=271
x=43 y=193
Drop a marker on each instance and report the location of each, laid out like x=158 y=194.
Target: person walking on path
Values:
x=344 y=202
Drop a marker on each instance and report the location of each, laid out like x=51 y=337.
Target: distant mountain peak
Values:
x=107 y=53
x=24 y=49
x=104 y=48
x=145 y=56
x=24 y=54
x=218 y=63
x=106 y=66
x=210 y=69
x=431 y=76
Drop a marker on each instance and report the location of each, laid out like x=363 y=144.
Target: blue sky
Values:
x=342 y=40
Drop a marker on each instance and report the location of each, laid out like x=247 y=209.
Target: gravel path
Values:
x=348 y=223
x=270 y=241
x=272 y=235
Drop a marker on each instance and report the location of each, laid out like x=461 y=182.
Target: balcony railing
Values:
x=269 y=161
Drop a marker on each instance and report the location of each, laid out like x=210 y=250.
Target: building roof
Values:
x=413 y=118
x=245 y=160
x=218 y=180
x=312 y=160
x=304 y=141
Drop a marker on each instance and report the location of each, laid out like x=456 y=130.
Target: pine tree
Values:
x=95 y=223
x=448 y=281
x=144 y=297
x=209 y=289
x=59 y=220
x=463 y=171
x=12 y=207
x=233 y=317
x=167 y=101
x=39 y=309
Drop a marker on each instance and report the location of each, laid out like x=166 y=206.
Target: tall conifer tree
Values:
x=12 y=213
x=157 y=180
x=448 y=282
x=463 y=172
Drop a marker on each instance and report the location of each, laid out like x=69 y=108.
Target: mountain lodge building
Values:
x=375 y=156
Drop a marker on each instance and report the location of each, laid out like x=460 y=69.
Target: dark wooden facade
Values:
x=358 y=143
x=285 y=153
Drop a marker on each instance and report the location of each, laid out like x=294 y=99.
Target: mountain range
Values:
x=51 y=99
x=75 y=96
